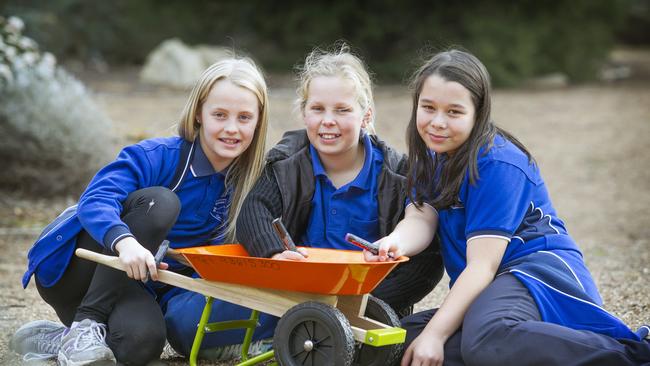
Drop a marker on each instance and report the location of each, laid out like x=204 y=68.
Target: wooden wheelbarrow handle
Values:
x=110 y=261
x=274 y=302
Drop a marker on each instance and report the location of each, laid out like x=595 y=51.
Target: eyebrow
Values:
x=218 y=108
x=453 y=105
x=343 y=105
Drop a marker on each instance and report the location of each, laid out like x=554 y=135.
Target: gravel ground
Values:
x=590 y=141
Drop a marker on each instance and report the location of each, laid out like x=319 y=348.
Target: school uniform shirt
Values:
x=286 y=189
x=510 y=201
x=350 y=208
x=204 y=205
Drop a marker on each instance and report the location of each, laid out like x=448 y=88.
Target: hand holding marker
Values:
x=284 y=235
x=361 y=243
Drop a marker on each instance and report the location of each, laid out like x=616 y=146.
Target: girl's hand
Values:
x=300 y=255
x=137 y=259
x=425 y=350
x=389 y=249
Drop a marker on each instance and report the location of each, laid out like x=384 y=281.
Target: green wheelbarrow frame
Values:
x=249 y=324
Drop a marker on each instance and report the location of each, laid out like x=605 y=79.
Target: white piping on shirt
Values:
x=567 y=265
x=187 y=164
x=542 y=216
x=563 y=293
x=489 y=236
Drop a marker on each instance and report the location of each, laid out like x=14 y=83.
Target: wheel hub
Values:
x=308 y=346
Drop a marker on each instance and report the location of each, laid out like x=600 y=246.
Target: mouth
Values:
x=437 y=138
x=329 y=136
x=230 y=141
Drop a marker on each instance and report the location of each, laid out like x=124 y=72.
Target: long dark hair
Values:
x=465 y=69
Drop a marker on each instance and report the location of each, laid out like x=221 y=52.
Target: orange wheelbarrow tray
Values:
x=325 y=271
x=326 y=314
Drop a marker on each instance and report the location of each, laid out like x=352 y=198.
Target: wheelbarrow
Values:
x=326 y=315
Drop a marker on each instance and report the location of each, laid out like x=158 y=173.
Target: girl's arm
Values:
x=100 y=207
x=412 y=234
x=254 y=231
x=483 y=259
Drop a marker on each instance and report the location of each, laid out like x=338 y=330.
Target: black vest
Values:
x=290 y=161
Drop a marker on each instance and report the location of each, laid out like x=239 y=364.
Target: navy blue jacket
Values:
x=153 y=162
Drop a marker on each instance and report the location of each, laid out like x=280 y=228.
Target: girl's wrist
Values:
x=441 y=337
x=395 y=240
x=437 y=333
x=124 y=243
x=394 y=236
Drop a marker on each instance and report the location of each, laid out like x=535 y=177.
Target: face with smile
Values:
x=445 y=114
x=333 y=116
x=228 y=118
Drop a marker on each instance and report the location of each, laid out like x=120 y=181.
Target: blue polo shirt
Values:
x=510 y=201
x=204 y=206
x=350 y=208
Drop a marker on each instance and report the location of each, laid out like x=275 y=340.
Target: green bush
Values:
x=52 y=136
x=516 y=40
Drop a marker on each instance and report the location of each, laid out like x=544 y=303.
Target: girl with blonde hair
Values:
x=187 y=189
x=333 y=177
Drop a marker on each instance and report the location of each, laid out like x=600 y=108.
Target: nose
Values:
x=438 y=121
x=231 y=126
x=328 y=119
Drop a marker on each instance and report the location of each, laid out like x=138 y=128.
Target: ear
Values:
x=197 y=118
x=367 y=118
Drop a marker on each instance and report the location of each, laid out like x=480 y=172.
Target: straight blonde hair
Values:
x=343 y=63
x=246 y=168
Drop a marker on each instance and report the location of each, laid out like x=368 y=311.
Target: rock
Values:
x=615 y=72
x=211 y=54
x=177 y=65
x=553 y=80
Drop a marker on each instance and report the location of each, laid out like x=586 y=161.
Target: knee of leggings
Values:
x=165 y=209
x=141 y=345
x=166 y=201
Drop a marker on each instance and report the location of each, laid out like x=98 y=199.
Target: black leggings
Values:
x=136 y=327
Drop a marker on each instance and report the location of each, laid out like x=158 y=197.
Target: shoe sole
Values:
x=63 y=361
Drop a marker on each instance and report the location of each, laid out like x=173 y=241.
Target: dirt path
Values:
x=591 y=143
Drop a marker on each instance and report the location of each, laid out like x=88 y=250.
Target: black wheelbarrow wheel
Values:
x=367 y=355
x=313 y=334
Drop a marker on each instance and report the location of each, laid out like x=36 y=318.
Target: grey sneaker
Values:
x=38 y=340
x=85 y=344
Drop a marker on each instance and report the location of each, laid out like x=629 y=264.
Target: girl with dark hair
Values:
x=520 y=291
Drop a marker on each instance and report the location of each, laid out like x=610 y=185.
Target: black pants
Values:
x=410 y=282
x=503 y=327
x=136 y=327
